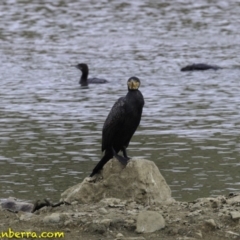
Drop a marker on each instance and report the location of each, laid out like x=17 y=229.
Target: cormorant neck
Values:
x=132 y=90
x=135 y=97
x=84 y=76
x=132 y=93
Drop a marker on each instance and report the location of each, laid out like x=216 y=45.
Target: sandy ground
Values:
x=206 y=218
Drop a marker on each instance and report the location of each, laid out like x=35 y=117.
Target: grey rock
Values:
x=211 y=223
x=129 y=221
x=105 y=222
x=233 y=200
x=74 y=203
x=186 y=238
x=68 y=223
x=231 y=234
x=53 y=218
x=80 y=214
x=16 y=205
x=26 y=216
x=130 y=224
x=113 y=202
x=198 y=234
x=195 y=213
x=100 y=226
x=119 y=236
x=139 y=181
x=117 y=221
x=132 y=212
x=103 y=211
x=134 y=238
x=235 y=215
x=149 y=221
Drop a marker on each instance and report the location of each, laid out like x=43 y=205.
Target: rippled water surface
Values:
x=50 y=127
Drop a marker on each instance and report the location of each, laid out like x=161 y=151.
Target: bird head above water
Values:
x=133 y=83
x=82 y=67
x=84 y=80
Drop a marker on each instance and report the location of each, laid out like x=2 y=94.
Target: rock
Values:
x=139 y=181
x=68 y=223
x=211 y=223
x=134 y=238
x=113 y=202
x=186 y=238
x=102 y=211
x=132 y=212
x=53 y=218
x=195 y=213
x=100 y=226
x=208 y=202
x=129 y=221
x=230 y=234
x=119 y=236
x=198 y=234
x=74 y=203
x=16 y=205
x=235 y=215
x=117 y=222
x=233 y=200
x=26 y=216
x=105 y=222
x=149 y=221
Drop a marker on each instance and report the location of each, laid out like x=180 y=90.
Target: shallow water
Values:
x=50 y=127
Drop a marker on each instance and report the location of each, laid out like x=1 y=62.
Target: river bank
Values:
x=120 y=205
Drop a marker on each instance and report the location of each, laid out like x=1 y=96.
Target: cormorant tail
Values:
x=107 y=156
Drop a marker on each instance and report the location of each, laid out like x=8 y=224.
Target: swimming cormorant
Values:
x=84 y=80
x=120 y=125
x=199 y=67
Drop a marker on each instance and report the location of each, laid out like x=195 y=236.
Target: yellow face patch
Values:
x=132 y=84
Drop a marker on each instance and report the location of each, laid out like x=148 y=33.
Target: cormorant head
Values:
x=133 y=83
x=82 y=67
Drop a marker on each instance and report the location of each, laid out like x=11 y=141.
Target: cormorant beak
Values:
x=76 y=66
x=133 y=85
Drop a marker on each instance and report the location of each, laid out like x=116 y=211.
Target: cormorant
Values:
x=84 y=80
x=199 y=67
x=120 y=125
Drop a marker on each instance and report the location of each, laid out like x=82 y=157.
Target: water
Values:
x=50 y=127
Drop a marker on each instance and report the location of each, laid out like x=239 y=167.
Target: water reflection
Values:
x=50 y=127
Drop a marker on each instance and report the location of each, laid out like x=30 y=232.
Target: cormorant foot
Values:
x=122 y=160
x=125 y=153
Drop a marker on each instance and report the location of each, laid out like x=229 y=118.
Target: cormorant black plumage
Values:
x=84 y=80
x=120 y=125
x=199 y=67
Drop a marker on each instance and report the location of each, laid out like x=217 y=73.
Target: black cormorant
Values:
x=120 y=125
x=199 y=67
x=84 y=80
